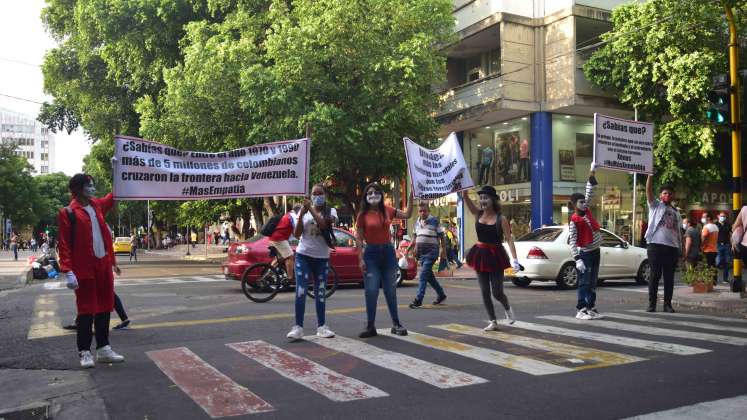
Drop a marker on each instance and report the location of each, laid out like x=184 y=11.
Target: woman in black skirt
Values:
x=488 y=257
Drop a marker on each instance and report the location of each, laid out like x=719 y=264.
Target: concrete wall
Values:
x=517 y=61
x=560 y=57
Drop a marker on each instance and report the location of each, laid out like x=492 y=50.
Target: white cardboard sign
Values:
x=623 y=145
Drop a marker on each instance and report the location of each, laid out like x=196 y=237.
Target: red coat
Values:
x=96 y=282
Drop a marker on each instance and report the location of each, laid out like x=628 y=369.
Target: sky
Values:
x=24 y=42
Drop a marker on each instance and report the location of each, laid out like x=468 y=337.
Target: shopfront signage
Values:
x=623 y=145
x=509 y=196
x=438 y=172
x=715 y=198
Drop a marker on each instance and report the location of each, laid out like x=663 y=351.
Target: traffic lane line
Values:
x=511 y=361
x=217 y=394
x=681 y=323
x=421 y=370
x=592 y=358
x=638 y=343
x=643 y=329
x=45 y=322
x=686 y=315
x=723 y=409
x=328 y=383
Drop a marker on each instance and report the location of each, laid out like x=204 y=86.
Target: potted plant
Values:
x=700 y=277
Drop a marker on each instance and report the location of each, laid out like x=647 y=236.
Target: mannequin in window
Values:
x=486 y=161
x=524 y=160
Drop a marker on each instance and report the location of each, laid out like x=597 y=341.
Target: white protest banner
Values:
x=436 y=173
x=623 y=145
x=146 y=170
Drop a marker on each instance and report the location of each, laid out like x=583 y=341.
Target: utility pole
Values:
x=736 y=132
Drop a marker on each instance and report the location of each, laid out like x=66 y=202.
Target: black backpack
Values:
x=269 y=227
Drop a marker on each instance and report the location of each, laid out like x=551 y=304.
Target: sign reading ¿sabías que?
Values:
x=146 y=170
x=436 y=173
x=623 y=145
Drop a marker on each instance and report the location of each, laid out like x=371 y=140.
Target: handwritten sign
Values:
x=439 y=172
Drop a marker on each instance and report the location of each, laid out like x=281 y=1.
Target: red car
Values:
x=344 y=258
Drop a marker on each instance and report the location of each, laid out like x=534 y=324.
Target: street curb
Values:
x=713 y=306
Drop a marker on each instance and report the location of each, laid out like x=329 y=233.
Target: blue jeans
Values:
x=308 y=266
x=427 y=259
x=587 y=281
x=14 y=248
x=724 y=257
x=381 y=272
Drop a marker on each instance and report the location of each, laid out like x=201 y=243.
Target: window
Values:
x=343 y=239
x=609 y=240
x=45 y=156
x=45 y=169
x=541 y=235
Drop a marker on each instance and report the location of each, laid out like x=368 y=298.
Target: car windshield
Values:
x=122 y=239
x=541 y=235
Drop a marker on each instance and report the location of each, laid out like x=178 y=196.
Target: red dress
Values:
x=95 y=292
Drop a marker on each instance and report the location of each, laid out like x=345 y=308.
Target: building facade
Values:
x=518 y=100
x=34 y=141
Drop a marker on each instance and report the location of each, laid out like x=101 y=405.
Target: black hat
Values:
x=489 y=191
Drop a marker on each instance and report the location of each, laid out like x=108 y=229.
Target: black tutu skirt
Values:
x=488 y=258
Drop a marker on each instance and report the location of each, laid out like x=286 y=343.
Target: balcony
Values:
x=471 y=94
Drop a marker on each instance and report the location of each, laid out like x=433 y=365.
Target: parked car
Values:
x=546 y=256
x=122 y=245
x=344 y=258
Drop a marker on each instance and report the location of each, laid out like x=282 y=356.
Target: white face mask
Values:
x=722 y=219
x=684 y=226
x=704 y=220
x=373 y=198
x=317 y=200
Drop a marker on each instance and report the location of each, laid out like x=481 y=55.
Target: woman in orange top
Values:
x=378 y=261
x=709 y=241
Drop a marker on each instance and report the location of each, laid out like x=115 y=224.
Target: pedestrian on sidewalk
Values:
x=585 y=238
x=86 y=260
x=133 y=247
x=724 y=257
x=488 y=257
x=14 y=245
x=692 y=243
x=32 y=243
x=664 y=240
x=312 y=258
x=378 y=260
x=429 y=244
x=709 y=242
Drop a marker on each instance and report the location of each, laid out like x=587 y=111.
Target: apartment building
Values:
x=34 y=141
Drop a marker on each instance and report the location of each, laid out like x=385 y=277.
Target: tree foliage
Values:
x=53 y=194
x=660 y=57
x=18 y=191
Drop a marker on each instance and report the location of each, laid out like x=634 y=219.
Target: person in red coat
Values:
x=86 y=260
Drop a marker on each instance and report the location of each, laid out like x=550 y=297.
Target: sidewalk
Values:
x=14 y=273
x=214 y=253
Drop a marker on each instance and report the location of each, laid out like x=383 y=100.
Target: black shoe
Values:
x=122 y=325
x=416 y=304
x=398 y=329
x=70 y=327
x=668 y=308
x=651 y=308
x=369 y=332
x=439 y=300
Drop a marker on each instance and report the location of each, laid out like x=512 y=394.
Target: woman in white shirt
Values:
x=312 y=258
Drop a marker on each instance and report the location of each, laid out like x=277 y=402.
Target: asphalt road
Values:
x=180 y=365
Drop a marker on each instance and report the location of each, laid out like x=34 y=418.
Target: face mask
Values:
x=722 y=219
x=582 y=205
x=89 y=190
x=684 y=226
x=317 y=200
x=666 y=199
x=373 y=198
x=485 y=202
x=703 y=220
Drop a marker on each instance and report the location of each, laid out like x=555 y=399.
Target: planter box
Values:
x=702 y=287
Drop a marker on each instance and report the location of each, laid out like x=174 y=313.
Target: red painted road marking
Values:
x=310 y=374
x=213 y=391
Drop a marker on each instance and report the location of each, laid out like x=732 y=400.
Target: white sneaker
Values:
x=324 y=332
x=595 y=314
x=107 y=355
x=510 y=317
x=296 y=333
x=583 y=314
x=86 y=359
x=493 y=326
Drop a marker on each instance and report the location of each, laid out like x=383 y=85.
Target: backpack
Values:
x=269 y=227
x=73 y=221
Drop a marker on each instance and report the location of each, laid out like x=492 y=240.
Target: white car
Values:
x=546 y=256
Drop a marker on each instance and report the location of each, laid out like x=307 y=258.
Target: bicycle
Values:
x=262 y=281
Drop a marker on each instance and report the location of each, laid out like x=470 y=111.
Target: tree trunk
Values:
x=271 y=206
x=256 y=205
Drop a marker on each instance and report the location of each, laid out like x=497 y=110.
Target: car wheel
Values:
x=644 y=273
x=567 y=278
x=400 y=277
x=521 y=282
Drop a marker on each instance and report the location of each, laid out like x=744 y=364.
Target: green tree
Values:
x=660 y=57
x=20 y=197
x=53 y=195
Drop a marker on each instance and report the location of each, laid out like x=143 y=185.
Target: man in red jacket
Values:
x=86 y=260
x=585 y=239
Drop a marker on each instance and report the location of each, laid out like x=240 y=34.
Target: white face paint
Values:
x=373 y=197
x=485 y=201
x=582 y=205
x=684 y=225
x=89 y=191
x=703 y=220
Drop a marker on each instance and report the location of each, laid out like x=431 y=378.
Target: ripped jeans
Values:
x=381 y=272
x=318 y=268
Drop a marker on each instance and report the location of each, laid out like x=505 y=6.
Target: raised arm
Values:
x=650 y=189
x=298 y=230
x=407 y=213
x=470 y=204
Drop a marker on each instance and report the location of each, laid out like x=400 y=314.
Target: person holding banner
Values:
x=378 y=260
x=314 y=228
x=664 y=239
x=86 y=259
x=488 y=257
x=585 y=238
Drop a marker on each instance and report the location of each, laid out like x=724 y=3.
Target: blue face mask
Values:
x=317 y=200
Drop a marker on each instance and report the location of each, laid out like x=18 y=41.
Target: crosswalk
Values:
x=58 y=285
x=526 y=348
